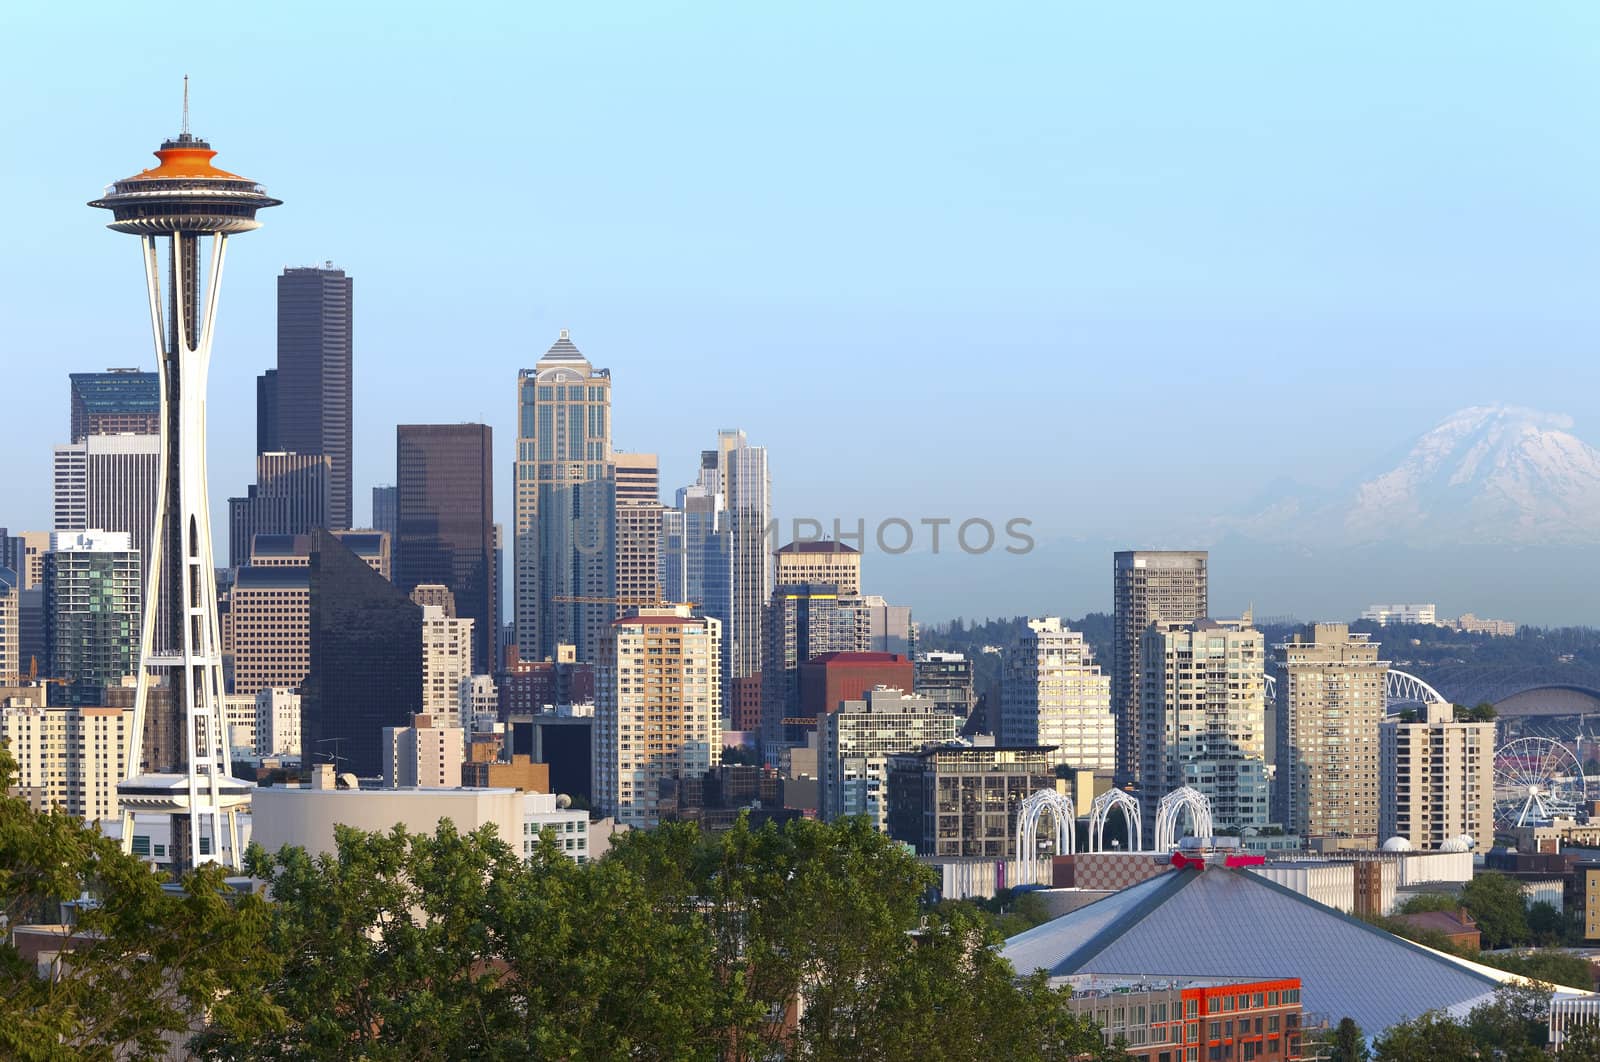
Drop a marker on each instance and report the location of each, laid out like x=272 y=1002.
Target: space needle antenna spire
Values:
x=185 y=106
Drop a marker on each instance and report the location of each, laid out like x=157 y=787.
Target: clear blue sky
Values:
x=892 y=242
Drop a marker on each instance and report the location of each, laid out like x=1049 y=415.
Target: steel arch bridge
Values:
x=1175 y=803
x=1100 y=812
x=1028 y=814
x=1401 y=690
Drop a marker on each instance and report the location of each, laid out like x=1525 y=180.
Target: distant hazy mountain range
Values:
x=1488 y=475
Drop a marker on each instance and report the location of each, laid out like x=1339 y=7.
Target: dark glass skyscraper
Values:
x=366 y=660
x=313 y=384
x=444 y=479
x=267 y=412
x=115 y=402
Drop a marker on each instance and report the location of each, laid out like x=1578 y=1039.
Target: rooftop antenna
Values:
x=186 y=106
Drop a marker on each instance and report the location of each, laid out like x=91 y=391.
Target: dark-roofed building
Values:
x=1219 y=921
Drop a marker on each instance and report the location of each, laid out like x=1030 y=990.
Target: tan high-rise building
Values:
x=268 y=628
x=1437 y=779
x=658 y=709
x=436 y=594
x=1052 y=693
x=428 y=754
x=1147 y=585
x=30 y=565
x=1330 y=701
x=1205 y=721
x=638 y=533
x=10 y=627
x=71 y=758
x=819 y=562
x=446 y=663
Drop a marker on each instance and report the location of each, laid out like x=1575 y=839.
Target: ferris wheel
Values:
x=1536 y=780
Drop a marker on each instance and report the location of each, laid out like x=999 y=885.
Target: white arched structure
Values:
x=1100 y=812
x=1175 y=803
x=1028 y=813
x=1401 y=688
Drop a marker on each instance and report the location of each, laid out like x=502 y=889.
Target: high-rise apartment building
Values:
x=384 y=509
x=638 y=533
x=855 y=743
x=291 y=496
x=1436 y=779
x=1205 y=718
x=68 y=757
x=278 y=723
x=366 y=660
x=658 y=709
x=947 y=679
x=565 y=504
x=820 y=561
x=92 y=595
x=109 y=482
x=1053 y=693
x=887 y=628
x=115 y=402
x=446 y=663
x=802 y=622
x=445 y=477
x=10 y=627
x=314 y=375
x=1147 y=585
x=1330 y=702
x=425 y=755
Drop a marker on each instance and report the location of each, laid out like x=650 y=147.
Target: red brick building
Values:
x=1193 y=1019
x=833 y=677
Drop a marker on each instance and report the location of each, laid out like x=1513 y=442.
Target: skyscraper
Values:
x=269 y=621
x=1330 y=702
x=638 y=534
x=10 y=629
x=801 y=622
x=658 y=709
x=291 y=496
x=313 y=380
x=92 y=611
x=565 y=504
x=820 y=561
x=383 y=509
x=1053 y=693
x=109 y=482
x=1205 y=718
x=115 y=402
x=444 y=476
x=1436 y=779
x=1147 y=585
x=366 y=660
x=855 y=743
x=267 y=413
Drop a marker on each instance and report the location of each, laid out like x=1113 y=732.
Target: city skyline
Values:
x=1374 y=275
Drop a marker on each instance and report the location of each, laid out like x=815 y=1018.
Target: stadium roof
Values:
x=1219 y=922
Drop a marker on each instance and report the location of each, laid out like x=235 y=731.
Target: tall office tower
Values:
x=438 y=596
x=565 y=499
x=384 y=505
x=819 y=562
x=366 y=660
x=855 y=742
x=185 y=199
x=1436 y=779
x=1053 y=693
x=427 y=754
x=67 y=474
x=115 y=402
x=1330 y=700
x=69 y=757
x=638 y=534
x=313 y=388
x=28 y=549
x=1202 y=689
x=947 y=679
x=802 y=622
x=10 y=629
x=92 y=611
x=658 y=709
x=1148 y=585
x=446 y=663
x=269 y=627
x=267 y=413
x=444 y=475
x=289 y=497
x=109 y=482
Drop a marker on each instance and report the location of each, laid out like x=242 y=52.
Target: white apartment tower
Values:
x=446 y=663
x=425 y=755
x=1052 y=693
x=658 y=708
x=1204 y=714
x=1437 y=779
x=71 y=758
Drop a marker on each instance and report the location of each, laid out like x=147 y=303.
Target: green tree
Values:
x=1581 y=1043
x=1546 y=926
x=1514 y=1025
x=1496 y=902
x=1347 y=1043
x=1434 y=1037
x=1552 y=966
x=144 y=964
x=1424 y=902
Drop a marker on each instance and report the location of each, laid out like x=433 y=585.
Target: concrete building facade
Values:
x=68 y=757
x=1147 y=585
x=855 y=743
x=1436 y=779
x=428 y=754
x=820 y=561
x=960 y=801
x=446 y=663
x=1053 y=693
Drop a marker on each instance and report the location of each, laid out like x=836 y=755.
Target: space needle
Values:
x=180 y=767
